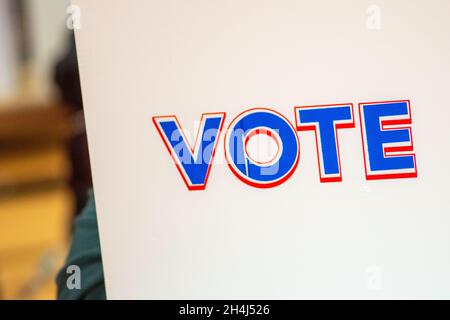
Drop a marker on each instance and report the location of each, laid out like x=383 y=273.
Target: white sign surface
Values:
x=375 y=228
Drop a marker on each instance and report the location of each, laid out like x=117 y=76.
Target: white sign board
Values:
x=320 y=167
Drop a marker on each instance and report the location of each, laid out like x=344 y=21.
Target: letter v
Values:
x=193 y=163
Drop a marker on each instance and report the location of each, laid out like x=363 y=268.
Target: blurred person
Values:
x=85 y=254
x=85 y=249
x=68 y=80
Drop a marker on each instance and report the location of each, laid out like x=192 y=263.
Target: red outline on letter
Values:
x=192 y=148
x=255 y=184
x=313 y=127
x=385 y=126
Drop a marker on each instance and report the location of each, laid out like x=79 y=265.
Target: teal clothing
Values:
x=86 y=254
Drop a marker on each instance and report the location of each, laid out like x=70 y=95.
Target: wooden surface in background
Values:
x=28 y=168
x=33 y=243
x=34 y=125
x=35 y=203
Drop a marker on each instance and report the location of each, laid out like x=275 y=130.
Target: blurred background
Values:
x=44 y=163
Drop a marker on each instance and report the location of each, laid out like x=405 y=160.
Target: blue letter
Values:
x=324 y=121
x=266 y=174
x=387 y=140
x=193 y=163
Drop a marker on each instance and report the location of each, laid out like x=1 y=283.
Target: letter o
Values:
x=253 y=173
